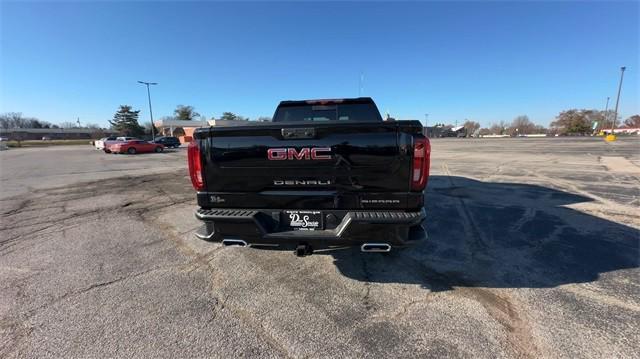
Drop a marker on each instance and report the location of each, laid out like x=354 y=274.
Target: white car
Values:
x=100 y=143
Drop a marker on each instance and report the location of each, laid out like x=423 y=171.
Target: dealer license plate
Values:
x=303 y=220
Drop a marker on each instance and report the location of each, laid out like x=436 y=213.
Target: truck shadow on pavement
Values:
x=500 y=235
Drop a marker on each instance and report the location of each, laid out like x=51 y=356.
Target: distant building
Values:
x=185 y=129
x=626 y=131
x=178 y=128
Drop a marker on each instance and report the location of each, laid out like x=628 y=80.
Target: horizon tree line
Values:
x=125 y=120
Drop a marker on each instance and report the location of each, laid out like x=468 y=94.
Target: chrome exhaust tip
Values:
x=375 y=247
x=234 y=242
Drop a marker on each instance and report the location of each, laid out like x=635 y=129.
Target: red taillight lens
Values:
x=195 y=166
x=421 y=160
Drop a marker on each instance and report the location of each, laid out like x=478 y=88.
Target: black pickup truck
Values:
x=323 y=174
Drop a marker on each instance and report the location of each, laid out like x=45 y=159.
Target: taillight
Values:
x=421 y=160
x=195 y=166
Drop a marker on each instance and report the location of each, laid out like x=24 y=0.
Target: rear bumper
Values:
x=262 y=227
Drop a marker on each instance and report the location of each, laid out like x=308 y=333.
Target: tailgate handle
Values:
x=296 y=133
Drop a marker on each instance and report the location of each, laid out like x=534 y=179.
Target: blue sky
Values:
x=482 y=61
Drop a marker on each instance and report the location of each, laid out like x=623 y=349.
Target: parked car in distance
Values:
x=168 y=141
x=124 y=138
x=100 y=144
x=135 y=146
x=107 y=144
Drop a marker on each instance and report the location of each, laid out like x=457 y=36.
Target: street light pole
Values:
x=615 y=112
x=153 y=135
x=606 y=114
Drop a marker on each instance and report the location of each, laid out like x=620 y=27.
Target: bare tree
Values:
x=521 y=125
x=604 y=119
x=632 y=122
x=68 y=124
x=497 y=129
x=471 y=127
x=11 y=120
x=541 y=129
x=15 y=120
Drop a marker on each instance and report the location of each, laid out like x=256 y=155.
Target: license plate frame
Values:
x=303 y=220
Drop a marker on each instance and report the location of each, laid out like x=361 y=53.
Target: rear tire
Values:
x=131 y=151
x=158 y=149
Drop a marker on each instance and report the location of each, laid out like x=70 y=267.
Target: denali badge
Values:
x=302 y=182
x=305 y=153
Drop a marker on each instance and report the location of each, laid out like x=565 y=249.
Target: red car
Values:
x=135 y=146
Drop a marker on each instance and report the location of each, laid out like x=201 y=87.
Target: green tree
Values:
x=185 y=113
x=125 y=121
x=228 y=116
x=574 y=121
x=232 y=116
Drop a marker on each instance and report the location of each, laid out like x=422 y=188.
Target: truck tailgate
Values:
x=302 y=157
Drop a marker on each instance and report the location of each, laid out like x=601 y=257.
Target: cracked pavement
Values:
x=533 y=252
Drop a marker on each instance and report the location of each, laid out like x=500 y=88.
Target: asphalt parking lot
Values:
x=533 y=252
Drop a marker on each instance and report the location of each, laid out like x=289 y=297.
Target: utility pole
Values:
x=426 y=124
x=615 y=112
x=153 y=135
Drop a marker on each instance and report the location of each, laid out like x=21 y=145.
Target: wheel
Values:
x=106 y=151
x=158 y=149
x=131 y=151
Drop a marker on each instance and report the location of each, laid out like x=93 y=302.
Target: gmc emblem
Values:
x=305 y=153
